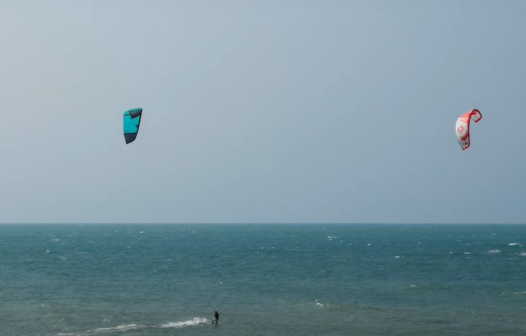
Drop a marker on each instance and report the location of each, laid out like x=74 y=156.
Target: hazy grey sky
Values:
x=262 y=111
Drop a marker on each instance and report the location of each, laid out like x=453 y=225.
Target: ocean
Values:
x=294 y=280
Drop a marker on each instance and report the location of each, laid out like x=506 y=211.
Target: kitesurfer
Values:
x=216 y=317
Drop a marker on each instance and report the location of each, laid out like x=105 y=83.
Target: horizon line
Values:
x=249 y=223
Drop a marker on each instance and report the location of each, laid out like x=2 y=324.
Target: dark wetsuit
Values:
x=216 y=317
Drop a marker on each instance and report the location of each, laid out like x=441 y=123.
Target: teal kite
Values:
x=131 y=123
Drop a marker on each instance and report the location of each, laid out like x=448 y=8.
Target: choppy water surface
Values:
x=263 y=279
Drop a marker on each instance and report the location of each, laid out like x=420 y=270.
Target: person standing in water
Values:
x=216 y=317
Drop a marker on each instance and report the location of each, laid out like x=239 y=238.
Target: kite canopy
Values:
x=462 y=127
x=131 y=123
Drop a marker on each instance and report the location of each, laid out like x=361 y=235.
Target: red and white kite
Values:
x=462 y=127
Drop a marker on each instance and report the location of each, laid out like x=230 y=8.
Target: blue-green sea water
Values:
x=292 y=280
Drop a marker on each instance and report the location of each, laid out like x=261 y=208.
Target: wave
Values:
x=331 y=305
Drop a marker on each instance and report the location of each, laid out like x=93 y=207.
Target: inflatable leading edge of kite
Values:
x=131 y=123
x=462 y=127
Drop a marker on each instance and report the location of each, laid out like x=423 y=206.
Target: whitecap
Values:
x=493 y=251
x=515 y=244
x=319 y=304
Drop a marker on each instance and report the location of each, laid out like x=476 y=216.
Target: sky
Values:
x=279 y=111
